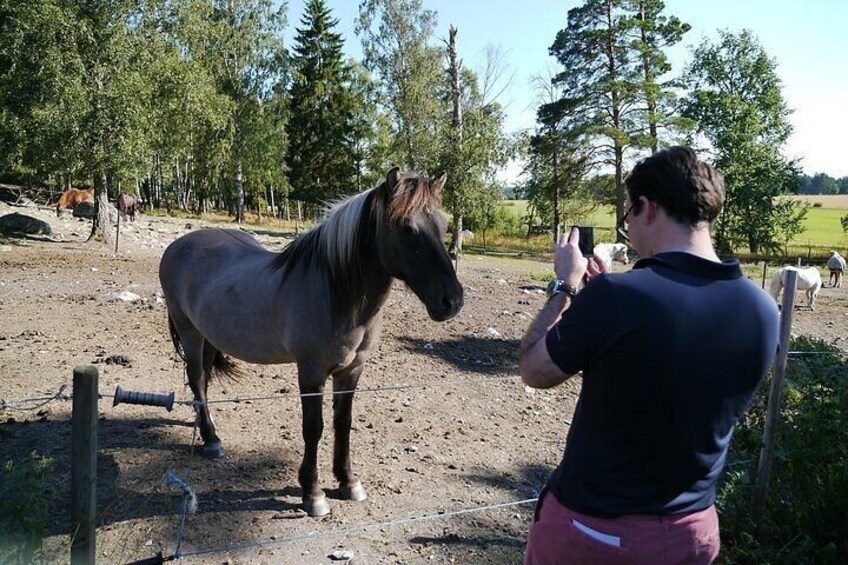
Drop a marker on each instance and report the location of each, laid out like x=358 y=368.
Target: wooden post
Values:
x=775 y=394
x=118 y=231
x=765 y=266
x=84 y=465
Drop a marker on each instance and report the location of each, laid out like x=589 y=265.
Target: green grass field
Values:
x=822 y=228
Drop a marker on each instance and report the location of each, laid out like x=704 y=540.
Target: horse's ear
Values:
x=392 y=178
x=439 y=182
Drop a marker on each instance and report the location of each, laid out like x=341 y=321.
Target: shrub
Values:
x=25 y=492
x=806 y=520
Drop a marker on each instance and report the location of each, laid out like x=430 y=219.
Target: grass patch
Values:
x=26 y=492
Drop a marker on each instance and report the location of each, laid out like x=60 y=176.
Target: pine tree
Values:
x=322 y=133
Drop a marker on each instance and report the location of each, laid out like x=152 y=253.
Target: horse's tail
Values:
x=222 y=365
x=175 y=338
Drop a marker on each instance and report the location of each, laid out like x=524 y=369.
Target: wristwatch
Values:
x=556 y=286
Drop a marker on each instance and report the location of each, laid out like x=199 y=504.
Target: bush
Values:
x=25 y=492
x=806 y=520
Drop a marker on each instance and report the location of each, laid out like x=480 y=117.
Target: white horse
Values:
x=608 y=252
x=809 y=280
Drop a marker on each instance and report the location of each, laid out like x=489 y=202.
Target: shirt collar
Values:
x=692 y=264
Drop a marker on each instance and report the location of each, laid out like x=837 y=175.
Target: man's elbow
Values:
x=533 y=376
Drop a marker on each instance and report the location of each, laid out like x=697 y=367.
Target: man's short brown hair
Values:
x=689 y=190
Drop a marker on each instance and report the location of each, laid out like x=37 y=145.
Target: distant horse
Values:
x=317 y=304
x=72 y=197
x=611 y=251
x=127 y=204
x=809 y=280
x=836 y=264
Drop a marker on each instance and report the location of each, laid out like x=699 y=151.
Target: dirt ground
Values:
x=458 y=430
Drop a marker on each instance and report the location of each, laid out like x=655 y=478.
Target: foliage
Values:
x=789 y=217
x=737 y=104
x=612 y=93
x=471 y=157
x=25 y=494
x=395 y=37
x=322 y=131
x=822 y=183
x=807 y=517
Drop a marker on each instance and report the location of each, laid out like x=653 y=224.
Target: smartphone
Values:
x=587 y=239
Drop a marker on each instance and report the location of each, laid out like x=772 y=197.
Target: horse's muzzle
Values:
x=448 y=307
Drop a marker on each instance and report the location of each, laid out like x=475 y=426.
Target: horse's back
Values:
x=209 y=249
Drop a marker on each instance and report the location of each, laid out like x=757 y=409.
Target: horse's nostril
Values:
x=452 y=302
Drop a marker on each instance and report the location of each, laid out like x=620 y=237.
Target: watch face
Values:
x=553 y=287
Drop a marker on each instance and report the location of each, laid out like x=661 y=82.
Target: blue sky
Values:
x=807 y=38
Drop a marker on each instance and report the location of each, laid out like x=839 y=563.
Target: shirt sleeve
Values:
x=585 y=327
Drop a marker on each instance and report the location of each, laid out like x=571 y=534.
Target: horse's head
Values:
x=411 y=241
x=619 y=253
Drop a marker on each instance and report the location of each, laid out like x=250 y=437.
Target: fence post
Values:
x=765 y=266
x=84 y=465
x=775 y=395
x=118 y=231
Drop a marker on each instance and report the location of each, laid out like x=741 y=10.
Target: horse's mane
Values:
x=343 y=242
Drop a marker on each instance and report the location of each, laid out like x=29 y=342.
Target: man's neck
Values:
x=695 y=241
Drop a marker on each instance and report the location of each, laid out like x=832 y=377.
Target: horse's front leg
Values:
x=350 y=487
x=311 y=380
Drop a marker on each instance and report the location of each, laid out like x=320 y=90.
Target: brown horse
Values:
x=72 y=197
x=317 y=304
x=127 y=204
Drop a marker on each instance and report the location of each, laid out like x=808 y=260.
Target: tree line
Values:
x=199 y=104
x=822 y=183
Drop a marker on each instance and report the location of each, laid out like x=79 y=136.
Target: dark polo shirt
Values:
x=671 y=353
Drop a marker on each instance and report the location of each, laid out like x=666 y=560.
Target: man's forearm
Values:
x=544 y=321
x=535 y=365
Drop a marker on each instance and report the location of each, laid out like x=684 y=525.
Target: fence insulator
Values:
x=146 y=398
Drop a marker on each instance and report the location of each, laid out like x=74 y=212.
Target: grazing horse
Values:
x=317 y=304
x=127 y=205
x=609 y=252
x=72 y=197
x=809 y=280
x=836 y=264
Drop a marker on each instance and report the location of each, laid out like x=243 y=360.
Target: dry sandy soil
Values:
x=465 y=433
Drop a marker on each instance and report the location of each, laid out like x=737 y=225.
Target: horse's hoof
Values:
x=353 y=492
x=317 y=507
x=214 y=450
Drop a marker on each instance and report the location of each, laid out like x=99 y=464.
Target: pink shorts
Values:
x=561 y=536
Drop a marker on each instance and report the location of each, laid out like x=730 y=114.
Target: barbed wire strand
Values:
x=43 y=400
x=11 y=405
x=353 y=529
x=340 y=392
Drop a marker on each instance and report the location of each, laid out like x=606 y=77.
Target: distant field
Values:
x=836 y=201
x=822 y=225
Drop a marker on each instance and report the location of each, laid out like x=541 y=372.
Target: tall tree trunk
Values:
x=239 y=187
x=556 y=191
x=454 y=70
x=100 y=222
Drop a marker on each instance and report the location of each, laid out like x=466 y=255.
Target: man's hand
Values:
x=569 y=264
